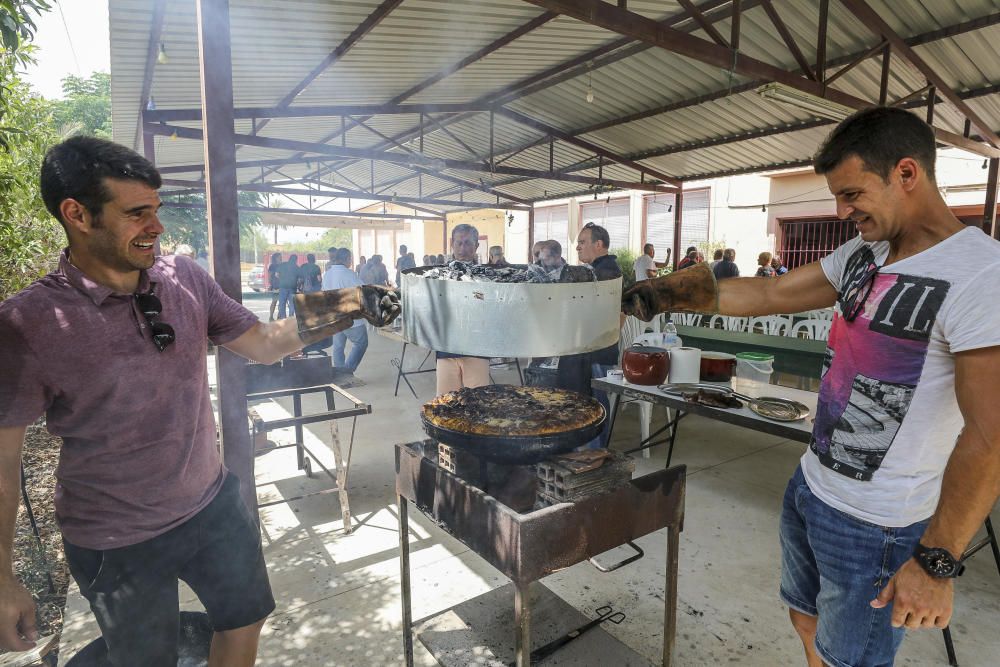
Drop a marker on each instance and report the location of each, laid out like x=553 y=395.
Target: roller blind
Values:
x=552 y=222
x=612 y=215
x=694 y=218
x=660 y=224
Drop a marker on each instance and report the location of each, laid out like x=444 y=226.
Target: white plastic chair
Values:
x=631 y=329
x=729 y=323
x=815 y=329
x=772 y=325
x=687 y=319
x=821 y=314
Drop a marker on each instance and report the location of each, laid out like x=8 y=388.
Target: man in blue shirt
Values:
x=339 y=275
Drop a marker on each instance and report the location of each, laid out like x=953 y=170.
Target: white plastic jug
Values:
x=752 y=369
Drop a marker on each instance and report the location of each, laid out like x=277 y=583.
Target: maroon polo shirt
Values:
x=139 y=451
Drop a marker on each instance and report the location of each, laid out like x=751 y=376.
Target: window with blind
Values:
x=552 y=222
x=610 y=214
x=659 y=227
x=696 y=205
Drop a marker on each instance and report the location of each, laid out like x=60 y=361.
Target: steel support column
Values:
x=531 y=233
x=678 y=207
x=990 y=208
x=215 y=60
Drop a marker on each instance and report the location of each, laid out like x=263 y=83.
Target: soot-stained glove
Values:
x=380 y=305
x=692 y=290
x=322 y=314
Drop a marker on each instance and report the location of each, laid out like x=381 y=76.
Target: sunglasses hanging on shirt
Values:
x=859 y=280
x=151 y=307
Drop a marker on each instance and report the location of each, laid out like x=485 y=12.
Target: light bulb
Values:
x=173 y=136
x=984 y=163
x=590 y=95
x=161 y=56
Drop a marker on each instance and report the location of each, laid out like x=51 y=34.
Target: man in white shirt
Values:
x=338 y=275
x=645 y=266
x=904 y=463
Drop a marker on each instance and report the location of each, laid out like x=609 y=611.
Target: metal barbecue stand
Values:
x=526 y=547
x=314 y=373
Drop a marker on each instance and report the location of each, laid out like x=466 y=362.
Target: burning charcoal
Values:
x=513 y=273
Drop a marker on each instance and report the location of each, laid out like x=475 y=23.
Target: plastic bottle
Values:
x=670 y=337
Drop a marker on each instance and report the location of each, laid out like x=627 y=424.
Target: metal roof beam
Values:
x=413 y=160
x=586 y=145
x=340 y=193
x=609 y=17
x=493 y=46
x=152 y=51
x=702 y=22
x=365 y=27
x=788 y=39
x=863 y=11
x=566 y=70
x=345 y=214
x=175 y=115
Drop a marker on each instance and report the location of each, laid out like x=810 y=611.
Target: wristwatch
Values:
x=938 y=562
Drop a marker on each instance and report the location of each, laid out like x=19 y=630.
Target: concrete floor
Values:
x=338 y=596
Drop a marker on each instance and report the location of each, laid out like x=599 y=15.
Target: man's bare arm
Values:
x=268 y=342
x=972 y=479
x=969 y=490
x=801 y=289
x=17 y=609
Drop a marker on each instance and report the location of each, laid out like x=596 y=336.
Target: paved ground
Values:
x=338 y=596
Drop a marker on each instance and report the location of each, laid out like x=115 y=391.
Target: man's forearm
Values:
x=969 y=490
x=10 y=494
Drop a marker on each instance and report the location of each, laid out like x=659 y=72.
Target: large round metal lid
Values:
x=489 y=319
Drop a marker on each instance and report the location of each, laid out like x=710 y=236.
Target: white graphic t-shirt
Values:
x=887 y=418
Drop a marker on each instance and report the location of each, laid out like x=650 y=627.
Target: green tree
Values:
x=334 y=237
x=86 y=107
x=30 y=238
x=17 y=28
x=190 y=225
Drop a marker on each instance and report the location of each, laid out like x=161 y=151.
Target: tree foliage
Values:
x=190 y=225
x=30 y=238
x=340 y=238
x=86 y=107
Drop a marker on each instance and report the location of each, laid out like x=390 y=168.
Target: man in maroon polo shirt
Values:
x=110 y=347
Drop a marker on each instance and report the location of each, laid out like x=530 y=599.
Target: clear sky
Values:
x=86 y=48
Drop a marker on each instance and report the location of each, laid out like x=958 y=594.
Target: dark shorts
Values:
x=133 y=590
x=832 y=566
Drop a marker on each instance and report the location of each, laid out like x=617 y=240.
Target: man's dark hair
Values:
x=598 y=233
x=646 y=248
x=332 y=251
x=77 y=167
x=881 y=137
x=729 y=254
x=691 y=249
x=343 y=256
x=276 y=258
x=294 y=259
x=402 y=250
x=555 y=248
x=717 y=254
x=311 y=258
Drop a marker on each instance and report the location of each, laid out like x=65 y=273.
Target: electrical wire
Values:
x=69 y=39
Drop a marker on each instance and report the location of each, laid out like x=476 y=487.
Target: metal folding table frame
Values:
x=304 y=456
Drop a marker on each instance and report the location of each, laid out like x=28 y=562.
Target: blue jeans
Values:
x=359 y=344
x=832 y=566
x=286 y=297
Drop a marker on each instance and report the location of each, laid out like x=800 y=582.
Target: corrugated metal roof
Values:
x=275 y=45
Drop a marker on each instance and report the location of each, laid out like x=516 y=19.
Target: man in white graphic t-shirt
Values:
x=904 y=463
